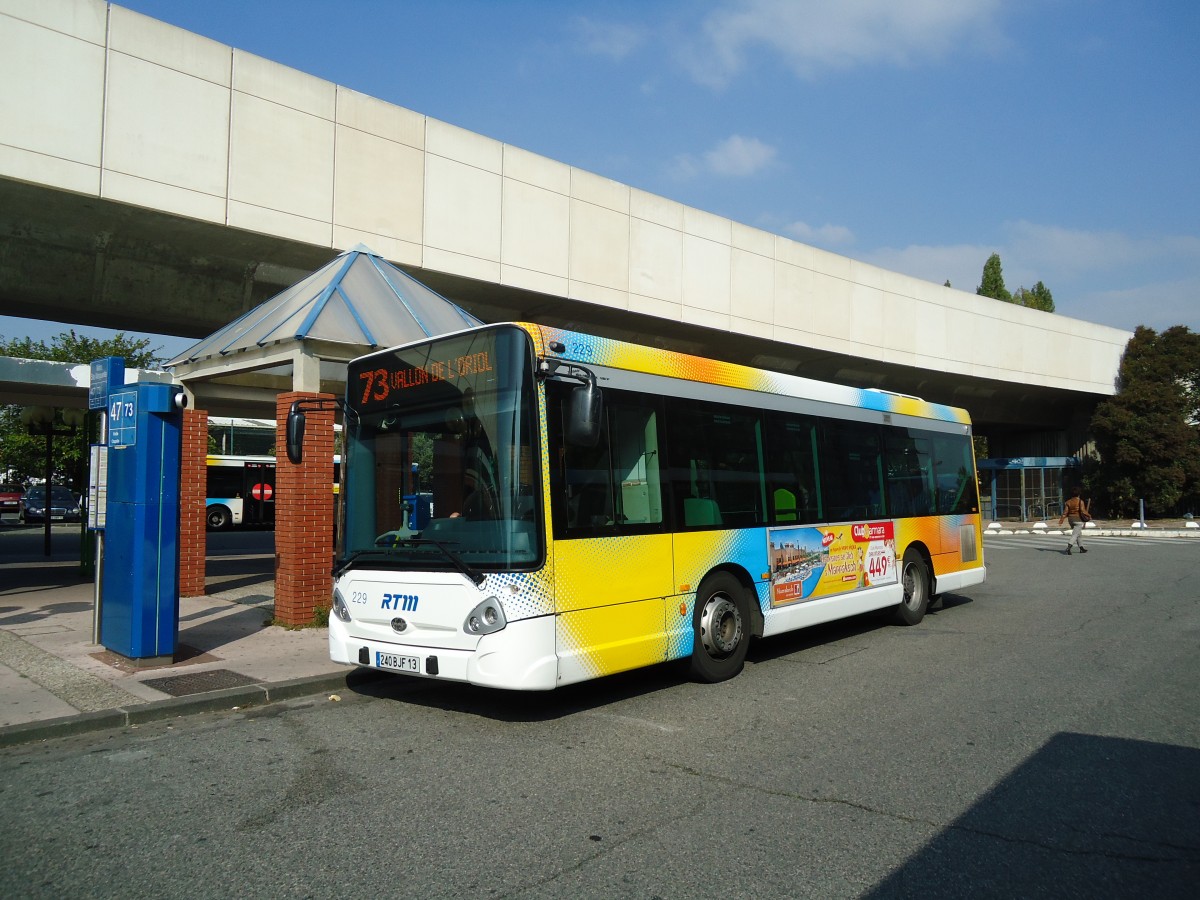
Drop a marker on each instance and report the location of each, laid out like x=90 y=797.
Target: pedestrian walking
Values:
x=1076 y=513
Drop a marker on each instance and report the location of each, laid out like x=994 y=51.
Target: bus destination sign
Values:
x=384 y=383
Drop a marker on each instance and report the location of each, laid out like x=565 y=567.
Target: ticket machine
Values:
x=139 y=616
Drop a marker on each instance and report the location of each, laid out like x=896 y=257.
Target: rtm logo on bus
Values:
x=400 y=602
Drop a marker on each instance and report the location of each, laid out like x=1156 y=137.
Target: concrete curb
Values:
x=1102 y=532
x=175 y=707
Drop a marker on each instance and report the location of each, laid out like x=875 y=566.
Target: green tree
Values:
x=1147 y=433
x=1044 y=300
x=23 y=453
x=75 y=348
x=1038 y=298
x=993 y=286
x=993 y=280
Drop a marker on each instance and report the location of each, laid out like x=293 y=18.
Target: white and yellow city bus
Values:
x=527 y=507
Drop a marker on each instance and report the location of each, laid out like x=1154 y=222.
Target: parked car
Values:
x=64 y=507
x=10 y=497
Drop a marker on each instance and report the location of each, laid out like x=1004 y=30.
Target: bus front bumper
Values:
x=520 y=657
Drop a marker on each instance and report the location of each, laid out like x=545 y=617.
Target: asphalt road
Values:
x=1037 y=737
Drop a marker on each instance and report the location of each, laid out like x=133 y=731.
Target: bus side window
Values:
x=716 y=465
x=791 y=469
x=851 y=470
x=615 y=486
x=957 y=492
x=909 y=463
x=634 y=434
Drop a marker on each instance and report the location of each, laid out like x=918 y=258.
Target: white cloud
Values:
x=739 y=156
x=1158 y=305
x=685 y=167
x=813 y=36
x=1100 y=276
x=1074 y=251
x=961 y=264
x=822 y=236
x=609 y=39
x=734 y=157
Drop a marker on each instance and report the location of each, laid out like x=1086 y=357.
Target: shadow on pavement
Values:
x=211 y=635
x=1110 y=817
x=516 y=706
x=538 y=706
x=26 y=615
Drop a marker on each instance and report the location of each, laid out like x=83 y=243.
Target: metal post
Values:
x=86 y=561
x=48 y=472
x=98 y=591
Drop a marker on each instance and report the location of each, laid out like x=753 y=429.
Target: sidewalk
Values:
x=1158 y=528
x=54 y=681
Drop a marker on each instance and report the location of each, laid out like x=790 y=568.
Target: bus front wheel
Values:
x=914 y=579
x=218 y=517
x=722 y=628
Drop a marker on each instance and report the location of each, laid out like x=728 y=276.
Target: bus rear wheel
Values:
x=218 y=517
x=914 y=578
x=722 y=628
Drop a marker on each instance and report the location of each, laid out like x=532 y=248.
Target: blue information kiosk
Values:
x=139 y=613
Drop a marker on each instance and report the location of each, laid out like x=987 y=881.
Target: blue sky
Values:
x=919 y=135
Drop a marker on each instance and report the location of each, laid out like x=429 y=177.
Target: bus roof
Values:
x=557 y=343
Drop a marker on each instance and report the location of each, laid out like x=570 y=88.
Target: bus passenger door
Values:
x=258 y=489
x=611 y=553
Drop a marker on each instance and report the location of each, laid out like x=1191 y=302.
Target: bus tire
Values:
x=721 y=623
x=218 y=517
x=914 y=579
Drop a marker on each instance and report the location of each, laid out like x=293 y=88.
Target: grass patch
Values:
x=320 y=619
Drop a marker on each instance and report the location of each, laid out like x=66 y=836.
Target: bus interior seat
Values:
x=785 y=505
x=589 y=508
x=701 y=511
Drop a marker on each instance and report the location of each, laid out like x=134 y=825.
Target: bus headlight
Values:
x=339 y=606
x=485 y=618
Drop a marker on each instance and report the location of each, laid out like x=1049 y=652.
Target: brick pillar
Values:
x=303 y=516
x=192 y=490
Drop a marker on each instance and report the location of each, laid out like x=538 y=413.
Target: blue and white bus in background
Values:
x=241 y=491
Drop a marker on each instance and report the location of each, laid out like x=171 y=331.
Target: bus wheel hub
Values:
x=720 y=626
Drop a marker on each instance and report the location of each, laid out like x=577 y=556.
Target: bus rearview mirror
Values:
x=583 y=421
x=295 y=436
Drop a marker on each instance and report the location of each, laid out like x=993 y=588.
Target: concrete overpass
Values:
x=152 y=179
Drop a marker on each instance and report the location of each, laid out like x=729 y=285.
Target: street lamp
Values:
x=39 y=420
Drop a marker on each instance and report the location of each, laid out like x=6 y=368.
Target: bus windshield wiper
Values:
x=342 y=565
x=458 y=562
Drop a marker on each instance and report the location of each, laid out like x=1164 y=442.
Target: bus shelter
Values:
x=295 y=346
x=1025 y=488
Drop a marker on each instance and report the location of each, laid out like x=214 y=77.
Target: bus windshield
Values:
x=439 y=460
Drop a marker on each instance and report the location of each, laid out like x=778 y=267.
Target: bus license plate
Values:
x=400 y=663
